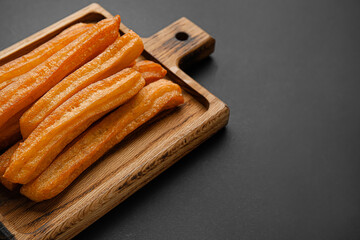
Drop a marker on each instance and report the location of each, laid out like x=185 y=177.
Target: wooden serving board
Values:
x=140 y=157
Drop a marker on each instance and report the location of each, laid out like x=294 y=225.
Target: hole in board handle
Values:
x=182 y=36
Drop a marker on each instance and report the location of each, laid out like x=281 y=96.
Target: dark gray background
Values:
x=288 y=164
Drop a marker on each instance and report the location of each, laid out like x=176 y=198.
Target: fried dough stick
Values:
x=9 y=71
x=101 y=137
x=4 y=163
x=68 y=121
x=115 y=58
x=10 y=131
x=149 y=70
x=33 y=84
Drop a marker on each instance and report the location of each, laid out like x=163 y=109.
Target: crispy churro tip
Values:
x=150 y=70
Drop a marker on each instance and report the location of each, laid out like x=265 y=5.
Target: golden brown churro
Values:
x=101 y=137
x=69 y=120
x=23 y=64
x=33 y=84
x=115 y=58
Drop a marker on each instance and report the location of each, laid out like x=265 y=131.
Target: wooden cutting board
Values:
x=140 y=157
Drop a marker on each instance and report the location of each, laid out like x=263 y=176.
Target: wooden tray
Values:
x=140 y=157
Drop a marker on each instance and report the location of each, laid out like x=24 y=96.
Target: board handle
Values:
x=180 y=44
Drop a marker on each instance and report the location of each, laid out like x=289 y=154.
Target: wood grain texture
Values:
x=138 y=159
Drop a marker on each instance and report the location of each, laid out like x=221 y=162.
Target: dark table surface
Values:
x=287 y=166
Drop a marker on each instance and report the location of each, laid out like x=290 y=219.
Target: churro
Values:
x=11 y=70
x=68 y=121
x=101 y=137
x=33 y=84
x=115 y=58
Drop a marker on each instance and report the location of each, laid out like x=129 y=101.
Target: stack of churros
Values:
x=55 y=100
